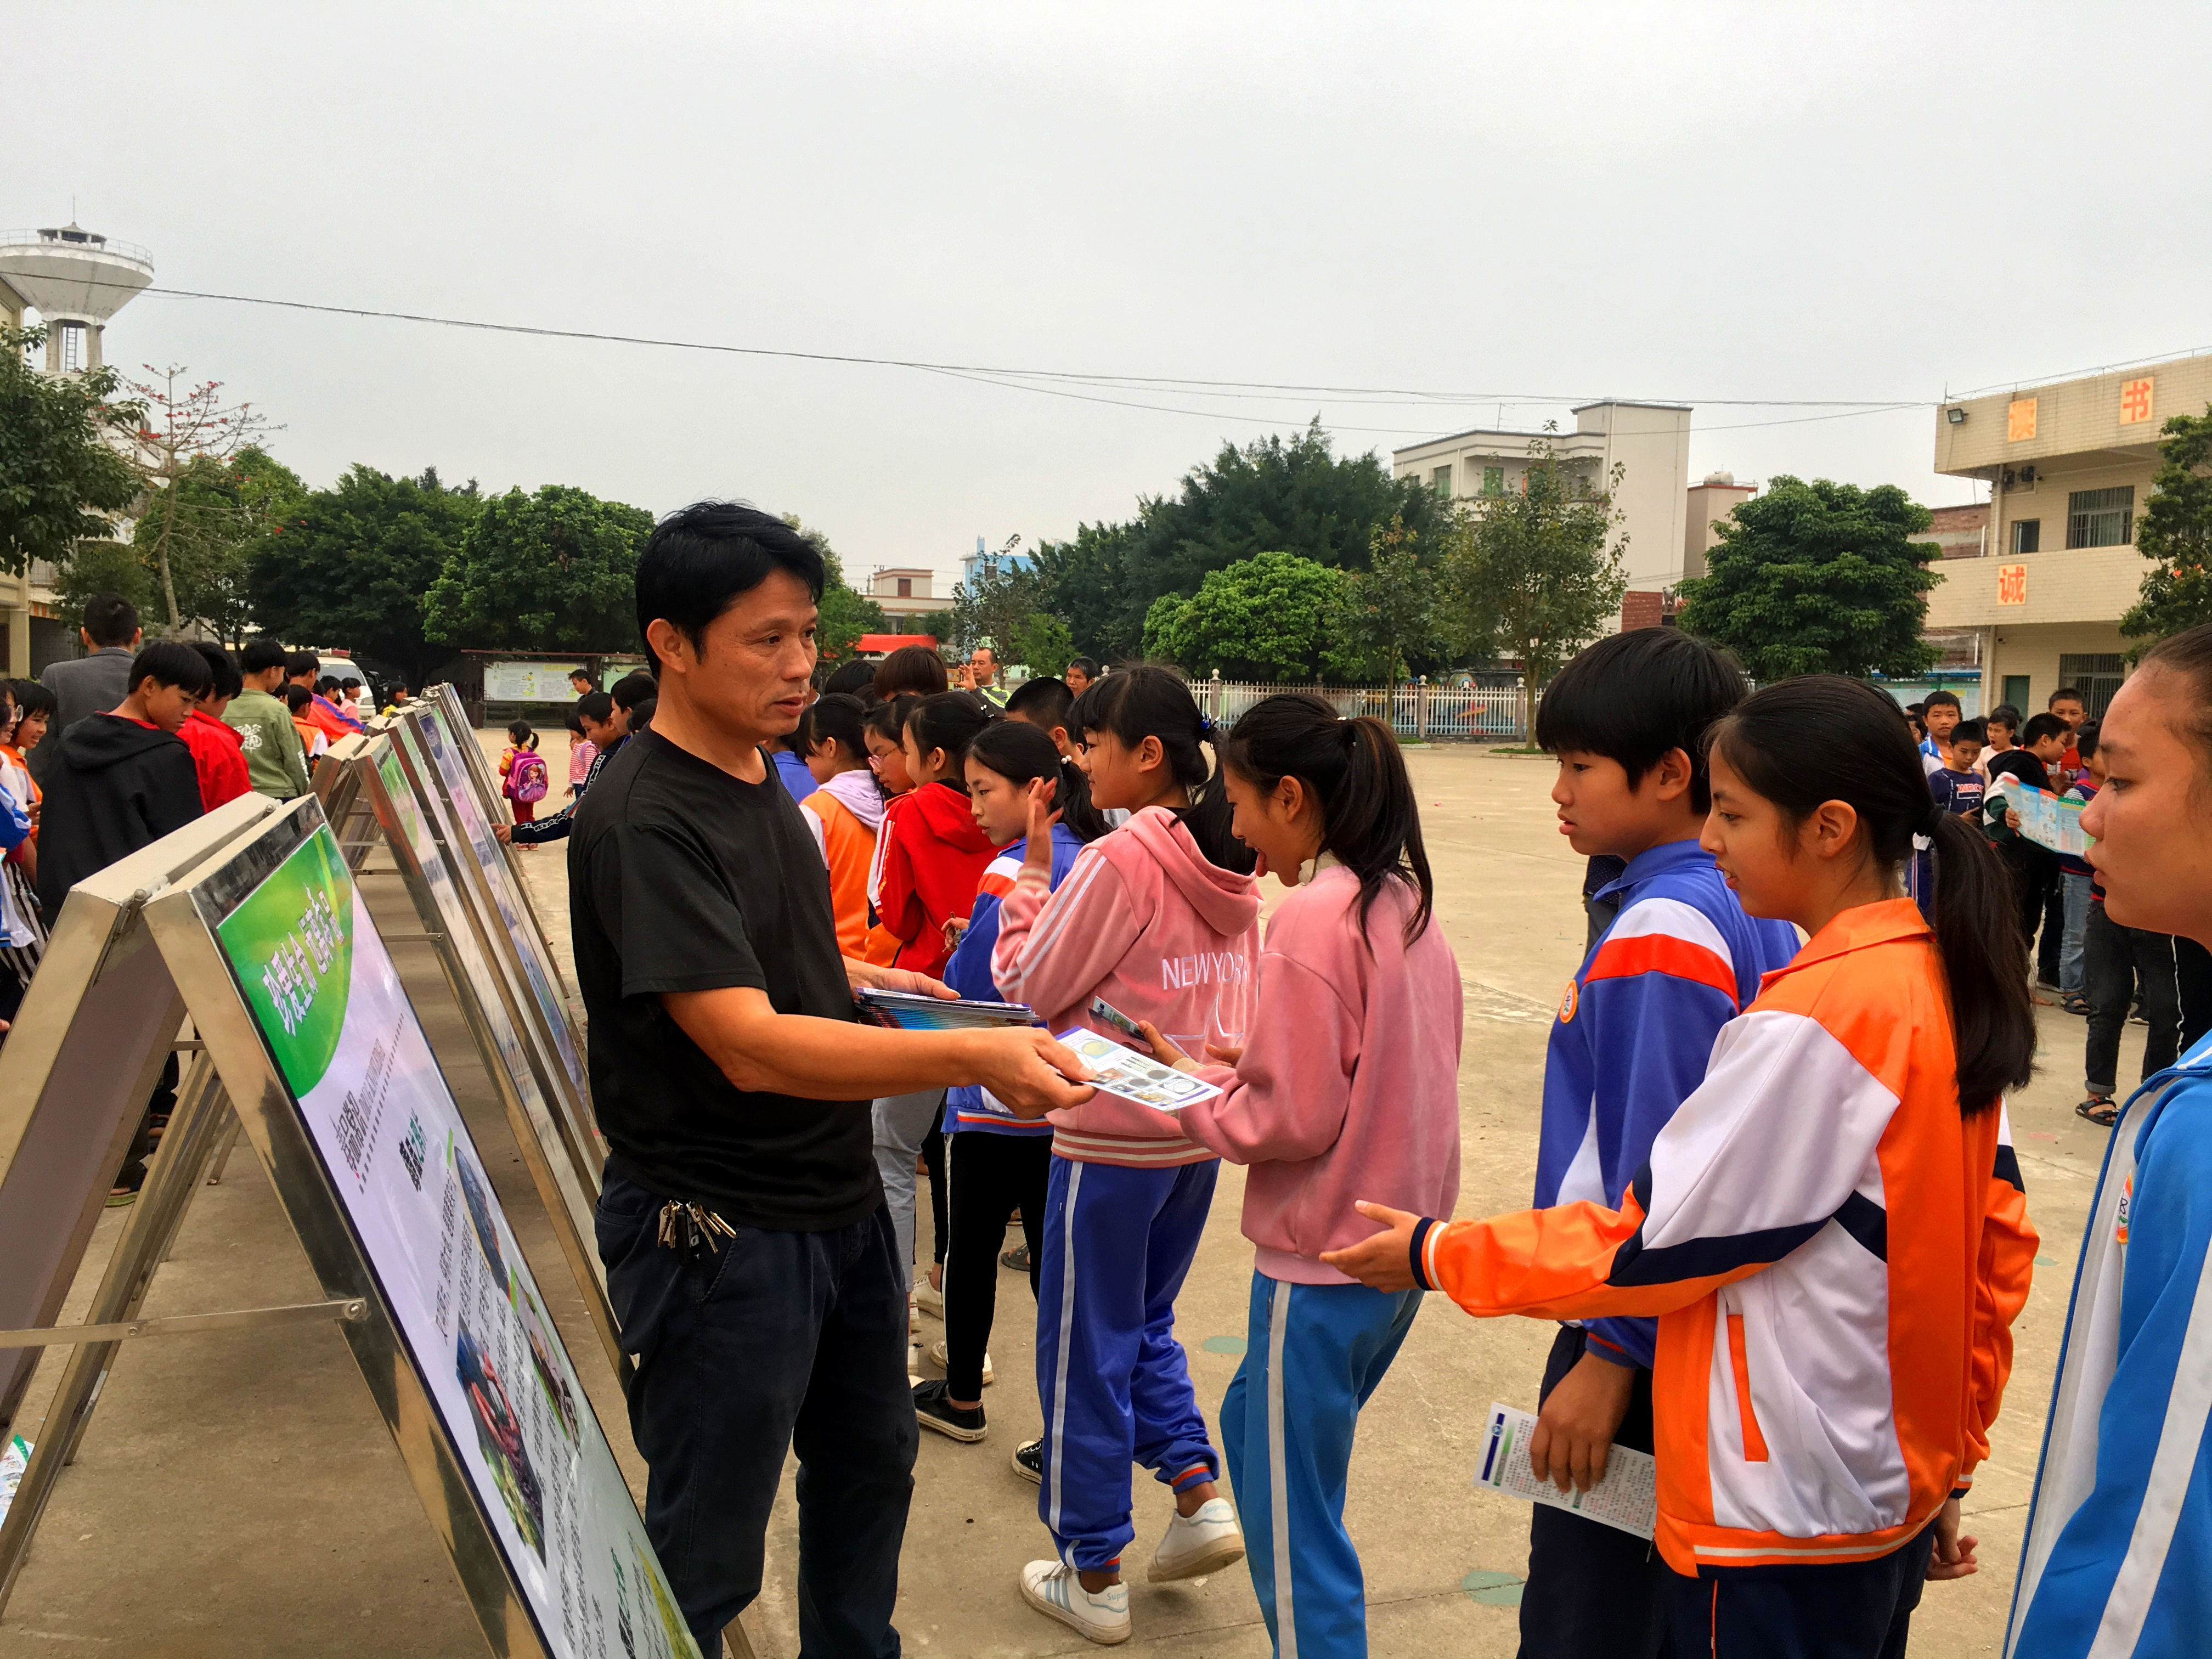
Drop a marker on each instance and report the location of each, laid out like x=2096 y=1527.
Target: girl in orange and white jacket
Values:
x=1831 y=1229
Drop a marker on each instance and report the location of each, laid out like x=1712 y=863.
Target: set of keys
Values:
x=686 y=1226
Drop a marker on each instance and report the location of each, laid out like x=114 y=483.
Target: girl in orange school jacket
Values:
x=1831 y=1229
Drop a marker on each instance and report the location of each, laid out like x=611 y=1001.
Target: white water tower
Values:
x=75 y=279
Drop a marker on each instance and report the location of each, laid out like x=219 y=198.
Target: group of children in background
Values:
x=2104 y=973
x=1776 y=1207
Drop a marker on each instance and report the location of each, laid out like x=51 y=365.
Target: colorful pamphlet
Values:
x=2047 y=819
x=910 y=1010
x=1132 y=1076
x=1628 y=1496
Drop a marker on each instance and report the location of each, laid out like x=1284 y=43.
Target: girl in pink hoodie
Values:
x=1156 y=920
x=1348 y=1082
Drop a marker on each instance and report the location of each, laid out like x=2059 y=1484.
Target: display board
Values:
x=427 y=743
x=558 y=1144
x=304 y=1015
x=529 y=681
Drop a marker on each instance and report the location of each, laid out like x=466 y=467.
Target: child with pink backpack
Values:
x=523 y=769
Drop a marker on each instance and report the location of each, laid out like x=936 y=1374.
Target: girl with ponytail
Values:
x=1156 y=920
x=1347 y=1087
x=1831 y=1228
x=995 y=1163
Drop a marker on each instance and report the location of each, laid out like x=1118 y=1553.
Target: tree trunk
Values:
x=162 y=559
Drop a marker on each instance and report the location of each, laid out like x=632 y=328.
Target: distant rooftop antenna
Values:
x=75 y=279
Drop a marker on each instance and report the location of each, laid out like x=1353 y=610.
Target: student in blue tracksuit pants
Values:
x=2117 y=1560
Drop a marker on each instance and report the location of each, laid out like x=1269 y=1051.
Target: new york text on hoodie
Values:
x=1145 y=922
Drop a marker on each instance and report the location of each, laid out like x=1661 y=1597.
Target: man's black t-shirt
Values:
x=682 y=877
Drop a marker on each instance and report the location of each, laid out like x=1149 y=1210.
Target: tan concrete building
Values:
x=1650 y=441
x=1710 y=500
x=905 y=591
x=2070 y=466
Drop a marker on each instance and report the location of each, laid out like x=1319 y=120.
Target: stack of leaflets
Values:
x=910 y=1010
x=1133 y=1076
x=1628 y=1496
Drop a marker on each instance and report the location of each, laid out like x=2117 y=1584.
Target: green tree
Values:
x=1387 y=626
x=106 y=567
x=1818 y=578
x=1271 y=495
x=845 y=615
x=1042 y=644
x=554 y=571
x=209 y=525
x=1529 y=574
x=1266 y=617
x=355 y=562
x=2175 y=533
x=998 y=607
x=60 y=475
x=938 y=624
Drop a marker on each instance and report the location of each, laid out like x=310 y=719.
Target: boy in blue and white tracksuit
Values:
x=1631 y=1041
x=2119 y=1554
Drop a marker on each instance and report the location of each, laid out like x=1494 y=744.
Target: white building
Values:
x=74 y=279
x=1651 y=442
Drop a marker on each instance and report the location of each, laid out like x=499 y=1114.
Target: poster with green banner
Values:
x=330 y=1008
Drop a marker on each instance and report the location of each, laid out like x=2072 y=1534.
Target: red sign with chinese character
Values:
x=2012 y=584
x=2135 y=401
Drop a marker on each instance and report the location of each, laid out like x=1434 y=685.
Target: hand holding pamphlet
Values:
x=1132 y=1076
x=1628 y=1496
x=913 y=1011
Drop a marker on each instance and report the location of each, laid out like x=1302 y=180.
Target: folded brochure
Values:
x=1628 y=1496
x=910 y=1010
x=1130 y=1075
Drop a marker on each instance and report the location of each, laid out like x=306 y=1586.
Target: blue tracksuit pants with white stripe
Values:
x=1110 y=1375
x=1313 y=1354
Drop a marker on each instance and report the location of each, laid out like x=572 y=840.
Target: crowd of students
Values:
x=1776 y=1216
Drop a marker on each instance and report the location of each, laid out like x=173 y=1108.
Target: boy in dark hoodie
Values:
x=123 y=778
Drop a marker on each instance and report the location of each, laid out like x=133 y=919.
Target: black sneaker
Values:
x=933 y=1411
x=1028 y=1460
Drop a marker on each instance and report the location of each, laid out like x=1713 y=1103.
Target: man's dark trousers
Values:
x=1594 y=1591
x=774 y=1341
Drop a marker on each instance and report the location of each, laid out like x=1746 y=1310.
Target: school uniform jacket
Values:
x=2118 y=1559
x=1634 y=1031
x=1834 y=1254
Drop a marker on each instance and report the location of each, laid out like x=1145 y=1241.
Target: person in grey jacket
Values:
x=90 y=684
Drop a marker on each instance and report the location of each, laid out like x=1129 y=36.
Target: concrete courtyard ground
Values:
x=237 y=1495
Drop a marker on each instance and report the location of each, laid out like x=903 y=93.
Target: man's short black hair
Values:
x=634 y=689
x=303 y=662
x=1043 y=701
x=224 y=680
x=261 y=656
x=1635 y=696
x=2061 y=694
x=111 y=619
x=1970 y=732
x=583 y=674
x=595 y=705
x=1088 y=665
x=1941 y=700
x=701 y=559
x=170 y=662
x=2040 y=727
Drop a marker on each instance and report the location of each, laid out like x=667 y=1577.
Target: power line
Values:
x=1135 y=382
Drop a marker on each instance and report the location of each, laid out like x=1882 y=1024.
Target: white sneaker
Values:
x=929 y=1298
x=1195 y=1545
x=1052 y=1589
x=937 y=1357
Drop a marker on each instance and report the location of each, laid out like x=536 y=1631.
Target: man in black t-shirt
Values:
x=749 y=1256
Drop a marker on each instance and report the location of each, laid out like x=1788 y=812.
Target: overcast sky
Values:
x=1511 y=204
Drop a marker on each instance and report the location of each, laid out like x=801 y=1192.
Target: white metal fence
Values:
x=1427 y=713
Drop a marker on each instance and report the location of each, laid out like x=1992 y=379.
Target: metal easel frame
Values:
x=278 y=1135
x=497 y=1012
x=567 y=1092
